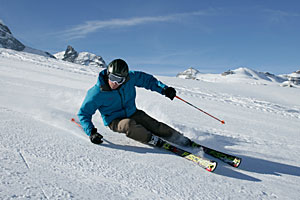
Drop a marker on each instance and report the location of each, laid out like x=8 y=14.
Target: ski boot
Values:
x=156 y=141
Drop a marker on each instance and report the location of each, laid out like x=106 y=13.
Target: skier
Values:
x=114 y=96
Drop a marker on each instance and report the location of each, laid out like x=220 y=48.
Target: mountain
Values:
x=292 y=79
x=190 y=73
x=8 y=41
x=43 y=155
x=244 y=75
x=82 y=58
x=255 y=75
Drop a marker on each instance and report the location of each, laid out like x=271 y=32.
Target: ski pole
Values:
x=222 y=121
x=73 y=120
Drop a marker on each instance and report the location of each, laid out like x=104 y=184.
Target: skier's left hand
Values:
x=170 y=92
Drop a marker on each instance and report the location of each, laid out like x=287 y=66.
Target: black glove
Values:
x=170 y=92
x=95 y=137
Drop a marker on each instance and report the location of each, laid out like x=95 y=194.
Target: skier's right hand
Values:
x=95 y=137
x=170 y=92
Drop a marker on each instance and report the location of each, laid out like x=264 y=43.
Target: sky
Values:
x=164 y=37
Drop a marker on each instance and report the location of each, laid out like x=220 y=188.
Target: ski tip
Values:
x=223 y=122
x=72 y=119
x=212 y=167
x=237 y=162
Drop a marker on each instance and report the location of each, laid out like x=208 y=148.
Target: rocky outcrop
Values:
x=82 y=58
x=8 y=41
x=70 y=54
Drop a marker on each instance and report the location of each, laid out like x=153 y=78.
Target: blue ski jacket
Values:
x=113 y=104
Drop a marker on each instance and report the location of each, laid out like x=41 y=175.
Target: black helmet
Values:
x=118 y=67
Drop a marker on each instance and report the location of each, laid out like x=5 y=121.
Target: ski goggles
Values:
x=116 y=79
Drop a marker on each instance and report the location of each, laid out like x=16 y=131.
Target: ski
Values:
x=207 y=164
x=226 y=158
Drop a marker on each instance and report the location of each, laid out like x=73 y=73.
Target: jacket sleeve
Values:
x=87 y=110
x=148 y=81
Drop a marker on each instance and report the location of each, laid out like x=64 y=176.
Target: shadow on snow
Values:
x=249 y=164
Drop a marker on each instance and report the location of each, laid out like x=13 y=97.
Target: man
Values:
x=114 y=96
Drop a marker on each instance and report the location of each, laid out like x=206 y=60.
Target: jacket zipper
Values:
x=122 y=102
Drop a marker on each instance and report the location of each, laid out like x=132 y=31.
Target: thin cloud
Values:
x=81 y=30
x=279 y=15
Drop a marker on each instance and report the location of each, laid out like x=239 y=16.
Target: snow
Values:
x=35 y=51
x=45 y=156
x=59 y=55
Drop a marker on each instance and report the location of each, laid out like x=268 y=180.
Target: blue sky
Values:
x=165 y=37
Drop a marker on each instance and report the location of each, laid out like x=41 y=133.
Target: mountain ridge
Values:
x=82 y=58
x=243 y=74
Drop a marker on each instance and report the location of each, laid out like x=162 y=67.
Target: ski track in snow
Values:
x=30 y=156
x=44 y=156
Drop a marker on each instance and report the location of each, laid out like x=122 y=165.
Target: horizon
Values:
x=165 y=38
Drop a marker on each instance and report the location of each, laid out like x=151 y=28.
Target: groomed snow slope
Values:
x=44 y=156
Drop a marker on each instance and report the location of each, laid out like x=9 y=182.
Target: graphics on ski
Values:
x=208 y=165
x=227 y=158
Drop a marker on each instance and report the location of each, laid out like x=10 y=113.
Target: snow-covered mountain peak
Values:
x=293 y=79
x=82 y=58
x=190 y=73
x=296 y=73
x=244 y=70
x=252 y=74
